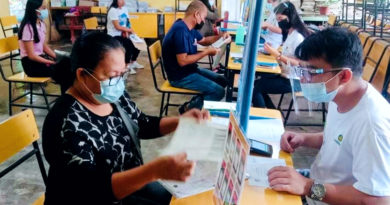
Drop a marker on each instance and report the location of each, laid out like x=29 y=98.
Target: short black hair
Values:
x=337 y=46
x=88 y=50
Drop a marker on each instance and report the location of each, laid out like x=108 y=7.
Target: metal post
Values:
x=354 y=11
x=376 y=16
x=247 y=75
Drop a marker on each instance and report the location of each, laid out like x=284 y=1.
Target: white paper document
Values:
x=202 y=180
x=219 y=105
x=202 y=141
x=265 y=130
x=258 y=168
x=220 y=42
x=136 y=39
x=269 y=131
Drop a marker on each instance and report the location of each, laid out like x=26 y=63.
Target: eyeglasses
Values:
x=112 y=80
x=308 y=73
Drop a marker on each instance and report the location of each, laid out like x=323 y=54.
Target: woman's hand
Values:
x=271 y=50
x=265 y=25
x=197 y=114
x=174 y=167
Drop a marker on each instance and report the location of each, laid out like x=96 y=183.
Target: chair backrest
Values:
x=345 y=25
x=8 y=23
x=91 y=23
x=332 y=20
x=7 y=46
x=155 y=59
x=353 y=28
x=99 y=10
x=373 y=59
x=368 y=45
x=379 y=77
x=18 y=132
x=363 y=36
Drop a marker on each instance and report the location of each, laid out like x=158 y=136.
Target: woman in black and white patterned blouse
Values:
x=92 y=157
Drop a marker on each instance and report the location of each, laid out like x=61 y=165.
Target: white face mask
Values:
x=316 y=92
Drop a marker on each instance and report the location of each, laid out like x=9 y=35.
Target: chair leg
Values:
x=280 y=101
x=45 y=96
x=288 y=112
x=168 y=98
x=162 y=104
x=40 y=162
x=10 y=98
x=323 y=112
x=211 y=62
x=31 y=93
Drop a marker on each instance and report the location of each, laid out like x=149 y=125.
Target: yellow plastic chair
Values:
x=332 y=20
x=373 y=59
x=355 y=29
x=9 y=23
x=7 y=45
x=161 y=83
x=91 y=24
x=18 y=132
x=381 y=74
x=101 y=13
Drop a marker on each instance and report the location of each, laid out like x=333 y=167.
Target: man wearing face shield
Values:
x=180 y=56
x=352 y=166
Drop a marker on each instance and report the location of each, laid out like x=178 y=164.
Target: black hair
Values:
x=30 y=17
x=288 y=9
x=114 y=4
x=207 y=4
x=337 y=46
x=88 y=50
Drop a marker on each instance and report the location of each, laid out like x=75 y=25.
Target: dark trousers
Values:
x=271 y=84
x=151 y=194
x=37 y=69
x=131 y=51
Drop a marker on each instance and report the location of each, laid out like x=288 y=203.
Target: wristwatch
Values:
x=317 y=191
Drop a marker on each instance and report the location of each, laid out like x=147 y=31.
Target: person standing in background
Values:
x=211 y=19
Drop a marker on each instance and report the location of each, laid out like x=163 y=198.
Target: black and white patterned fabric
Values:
x=84 y=149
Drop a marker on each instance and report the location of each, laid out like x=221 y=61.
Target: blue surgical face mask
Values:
x=109 y=93
x=269 y=7
x=316 y=92
x=44 y=13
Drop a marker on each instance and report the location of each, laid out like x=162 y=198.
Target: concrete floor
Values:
x=24 y=184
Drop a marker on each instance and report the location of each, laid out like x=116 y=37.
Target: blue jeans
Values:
x=271 y=84
x=211 y=86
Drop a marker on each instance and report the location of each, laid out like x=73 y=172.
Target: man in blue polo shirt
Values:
x=180 y=56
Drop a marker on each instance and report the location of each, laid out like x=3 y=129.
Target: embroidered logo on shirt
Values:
x=339 y=139
x=195 y=42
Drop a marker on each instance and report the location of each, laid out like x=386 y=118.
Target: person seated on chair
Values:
x=179 y=51
x=91 y=135
x=210 y=20
x=294 y=32
x=352 y=166
x=38 y=59
x=271 y=33
x=118 y=26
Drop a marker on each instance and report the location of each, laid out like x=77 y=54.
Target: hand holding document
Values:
x=201 y=141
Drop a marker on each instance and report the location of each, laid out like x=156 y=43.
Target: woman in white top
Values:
x=118 y=26
x=294 y=32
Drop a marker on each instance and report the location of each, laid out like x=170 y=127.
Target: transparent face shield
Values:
x=294 y=77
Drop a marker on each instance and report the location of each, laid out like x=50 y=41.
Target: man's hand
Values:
x=287 y=179
x=197 y=114
x=212 y=51
x=290 y=141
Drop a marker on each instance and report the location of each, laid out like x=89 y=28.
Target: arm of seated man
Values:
x=206 y=41
x=289 y=180
x=184 y=59
x=292 y=140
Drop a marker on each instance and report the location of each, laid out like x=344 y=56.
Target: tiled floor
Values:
x=24 y=185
